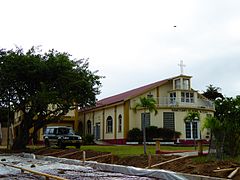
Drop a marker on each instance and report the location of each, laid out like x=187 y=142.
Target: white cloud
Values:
x=134 y=42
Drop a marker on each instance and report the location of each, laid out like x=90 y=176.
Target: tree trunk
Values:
x=222 y=146
x=210 y=142
x=144 y=135
x=22 y=139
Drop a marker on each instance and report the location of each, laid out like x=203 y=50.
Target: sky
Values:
x=134 y=42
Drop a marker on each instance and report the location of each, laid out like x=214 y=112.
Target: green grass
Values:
x=125 y=150
x=206 y=159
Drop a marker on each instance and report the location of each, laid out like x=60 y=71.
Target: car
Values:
x=61 y=136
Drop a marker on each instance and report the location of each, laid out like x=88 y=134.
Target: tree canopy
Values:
x=225 y=126
x=228 y=113
x=147 y=104
x=192 y=116
x=31 y=81
x=212 y=92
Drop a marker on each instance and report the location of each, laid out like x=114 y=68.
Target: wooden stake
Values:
x=68 y=154
x=91 y=158
x=155 y=165
x=112 y=159
x=54 y=153
x=84 y=157
x=230 y=176
x=149 y=160
x=227 y=169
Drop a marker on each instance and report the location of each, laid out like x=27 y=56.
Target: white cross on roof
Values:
x=181 y=66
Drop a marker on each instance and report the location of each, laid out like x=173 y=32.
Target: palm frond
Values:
x=146 y=103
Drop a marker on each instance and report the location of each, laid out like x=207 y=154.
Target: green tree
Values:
x=32 y=81
x=215 y=127
x=148 y=105
x=228 y=113
x=191 y=117
x=212 y=92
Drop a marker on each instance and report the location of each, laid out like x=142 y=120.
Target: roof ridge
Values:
x=127 y=94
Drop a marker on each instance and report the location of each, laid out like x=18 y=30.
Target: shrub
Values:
x=165 y=134
x=88 y=139
x=177 y=134
x=152 y=132
x=134 y=135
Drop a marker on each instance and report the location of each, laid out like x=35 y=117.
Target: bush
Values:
x=134 y=135
x=177 y=134
x=152 y=132
x=166 y=134
x=88 y=139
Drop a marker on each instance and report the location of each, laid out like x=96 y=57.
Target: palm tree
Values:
x=191 y=117
x=148 y=104
x=214 y=125
x=212 y=93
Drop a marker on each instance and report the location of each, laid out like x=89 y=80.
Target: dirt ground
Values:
x=186 y=165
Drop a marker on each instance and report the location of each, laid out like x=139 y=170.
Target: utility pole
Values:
x=144 y=133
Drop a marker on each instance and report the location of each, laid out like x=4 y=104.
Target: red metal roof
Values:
x=128 y=94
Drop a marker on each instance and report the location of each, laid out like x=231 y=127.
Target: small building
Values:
x=70 y=119
x=112 y=117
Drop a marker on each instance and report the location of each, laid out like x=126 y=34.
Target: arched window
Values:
x=109 y=124
x=120 y=123
x=89 y=127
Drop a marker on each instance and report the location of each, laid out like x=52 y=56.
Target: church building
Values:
x=112 y=117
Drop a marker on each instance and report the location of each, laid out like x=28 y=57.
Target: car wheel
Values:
x=47 y=143
x=78 y=146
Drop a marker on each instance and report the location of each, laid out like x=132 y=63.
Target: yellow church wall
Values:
x=179 y=122
x=135 y=117
x=136 y=99
x=98 y=115
x=164 y=89
x=88 y=116
x=157 y=120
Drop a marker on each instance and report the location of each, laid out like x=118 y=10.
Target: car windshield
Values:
x=65 y=131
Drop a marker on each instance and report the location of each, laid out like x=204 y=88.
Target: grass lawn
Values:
x=124 y=150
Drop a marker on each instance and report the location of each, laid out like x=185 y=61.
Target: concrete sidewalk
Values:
x=190 y=153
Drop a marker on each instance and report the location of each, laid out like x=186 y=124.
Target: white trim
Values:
x=198 y=131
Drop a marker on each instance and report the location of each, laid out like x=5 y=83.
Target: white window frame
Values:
x=191 y=128
x=187 y=98
x=172 y=98
x=177 y=83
